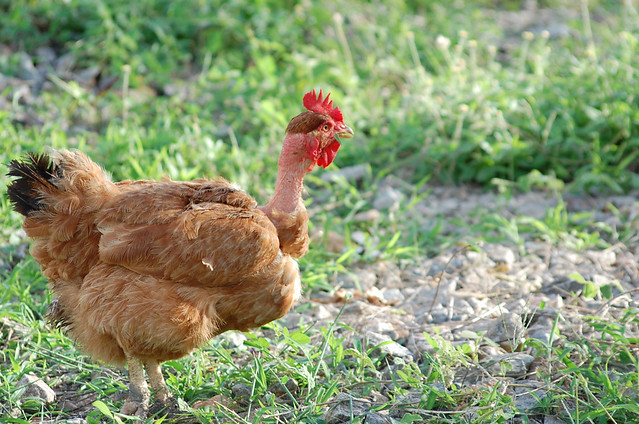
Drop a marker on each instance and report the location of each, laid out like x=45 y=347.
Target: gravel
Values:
x=490 y=297
x=36 y=388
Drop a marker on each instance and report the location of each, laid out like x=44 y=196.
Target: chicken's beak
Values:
x=345 y=132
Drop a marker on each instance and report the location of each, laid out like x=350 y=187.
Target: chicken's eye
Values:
x=325 y=127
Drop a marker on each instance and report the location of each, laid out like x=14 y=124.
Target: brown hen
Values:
x=146 y=271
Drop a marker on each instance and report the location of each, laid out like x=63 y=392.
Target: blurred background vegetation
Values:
x=460 y=91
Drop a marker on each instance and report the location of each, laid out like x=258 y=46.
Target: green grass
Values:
x=434 y=94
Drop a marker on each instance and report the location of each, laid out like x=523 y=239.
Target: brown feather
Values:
x=292 y=230
x=306 y=122
x=155 y=269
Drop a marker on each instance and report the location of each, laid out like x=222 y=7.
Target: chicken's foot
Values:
x=138 y=401
x=164 y=403
x=156 y=379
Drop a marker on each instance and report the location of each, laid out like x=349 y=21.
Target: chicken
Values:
x=144 y=272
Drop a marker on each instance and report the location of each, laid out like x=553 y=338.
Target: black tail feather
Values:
x=35 y=170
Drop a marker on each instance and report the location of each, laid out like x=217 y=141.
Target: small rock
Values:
x=540 y=333
x=65 y=64
x=446 y=206
x=439 y=315
x=381 y=327
x=458 y=260
x=601 y=280
x=487 y=351
x=418 y=344
x=88 y=76
x=235 y=339
x=241 y=391
x=392 y=296
x=475 y=279
x=500 y=254
x=215 y=402
x=360 y=279
x=477 y=304
x=283 y=390
x=383 y=297
x=374 y=296
x=387 y=198
x=292 y=320
x=29 y=71
x=323 y=312
x=393 y=349
x=553 y=420
x=528 y=398
x=377 y=418
x=333 y=241
x=349 y=173
x=359 y=237
x=562 y=286
x=507 y=330
x=541 y=329
x=376 y=397
x=344 y=408
x=45 y=54
x=389 y=274
x=425 y=295
x=397 y=182
x=463 y=308
x=36 y=388
x=413 y=396
x=358 y=307
x=371 y=215
x=509 y=364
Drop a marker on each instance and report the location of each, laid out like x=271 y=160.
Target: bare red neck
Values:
x=292 y=166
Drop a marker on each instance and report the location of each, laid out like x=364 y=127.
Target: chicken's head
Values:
x=316 y=131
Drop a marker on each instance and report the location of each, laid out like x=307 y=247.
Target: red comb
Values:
x=315 y=104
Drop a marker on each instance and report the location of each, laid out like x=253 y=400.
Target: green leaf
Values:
x=590 y=290
x=467 y=349
x=577 y=277
x=300 y=337
x=606 y=291
x=258 y=342
x=411 y=418
x=101 y=406
x=392 y=242
x=346 y=255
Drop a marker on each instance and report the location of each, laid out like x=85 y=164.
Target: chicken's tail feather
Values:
x=56 y=316
x=35 y=173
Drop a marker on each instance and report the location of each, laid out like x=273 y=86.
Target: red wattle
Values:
x=328 y=154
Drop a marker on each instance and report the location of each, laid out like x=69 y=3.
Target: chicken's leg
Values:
x=156 y=379
x=139 y=394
